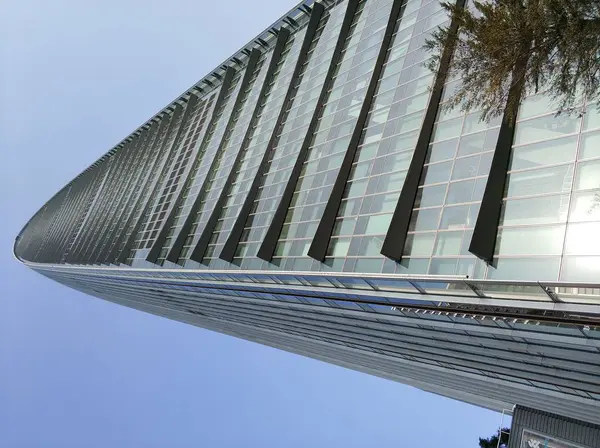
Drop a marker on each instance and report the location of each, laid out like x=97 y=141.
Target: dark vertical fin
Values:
x=395 y=239
x=267 y=248
x=483 y=242
x=320 y=242
x=173 y=254
x=230 y=246
x=209 y=227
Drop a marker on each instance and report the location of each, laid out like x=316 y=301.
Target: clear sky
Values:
x=75 y=78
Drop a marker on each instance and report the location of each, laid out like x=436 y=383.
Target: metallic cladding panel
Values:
x=528 y=420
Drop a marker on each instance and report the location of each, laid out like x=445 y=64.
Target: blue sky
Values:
x=75 y=371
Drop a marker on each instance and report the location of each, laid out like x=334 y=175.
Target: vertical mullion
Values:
x=230 y=246
x=269 y=243
x=170 y=216
x=395 y=239
x=210 y=225
x=485 y=232
x=320 y=242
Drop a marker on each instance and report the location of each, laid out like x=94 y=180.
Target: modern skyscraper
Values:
x=311 y=194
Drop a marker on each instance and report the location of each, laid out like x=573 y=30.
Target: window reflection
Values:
x=588 y=175
x=530 y=240
x=583 y=239
x=541 y=269
x=448 y=243
x=542 y=210
x=585 y=206
x=544 y=153
x=546 y=180
x=590 y=145
x=419 y=245
x=545 y=128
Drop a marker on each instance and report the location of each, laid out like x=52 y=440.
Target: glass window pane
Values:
x=378 y=224
x=344 y=226
x=479 y=188
x=338 y=247
x=585 y=206
x=471 y=267
x=583 y=239
x=402 y=141
x=545 y=128
x=349 y=207
x=448 y=243
x=466 y=167
x=466 y=242
x=544 y=153
x=425 y=219
x=588 y=175
x=556 y=179
x=382 y=202
x=547 y=209
x=419 y=244
x=542 y=269
x=455 y=217
x=370 y=246
x=471 y=144
x=590 y=145
x=409 y=123
x=442 y=151
x=443 y=266
x=368 y=265
x=460 y=192
x=580 y=269
x=356 y=188
x=447 y=114
x=530 y=240
x=535 y=105
x=367 y=152
x=430 y=196
x=440 y=172
x=591 y=118
x=447 y=129
x=413 y=266
x=473 y=123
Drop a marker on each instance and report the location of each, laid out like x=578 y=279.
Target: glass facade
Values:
x=207 y=212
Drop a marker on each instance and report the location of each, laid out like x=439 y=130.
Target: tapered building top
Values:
x=311 y=193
